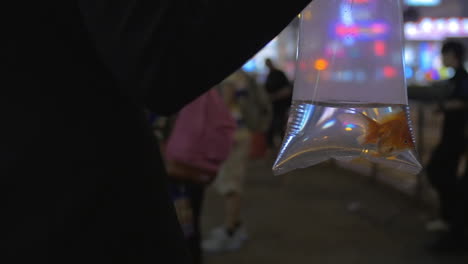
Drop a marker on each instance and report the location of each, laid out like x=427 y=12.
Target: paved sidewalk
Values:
x=326 y=215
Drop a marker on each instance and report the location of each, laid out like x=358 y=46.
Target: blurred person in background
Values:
x=279 y=88
x=443 y=166
x=195 y=142
x=88 y=184
x=199 y=140
x=250 y=106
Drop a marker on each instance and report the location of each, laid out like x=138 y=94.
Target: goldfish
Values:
x=391 y=133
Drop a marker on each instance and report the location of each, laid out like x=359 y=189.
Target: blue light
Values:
x=354 y=53
x=409 y=73
x=350 y=127
x=329 y=124
x=348 y=76
x=250 y=66
x=305 y=111
x=422 y=2
x=346 y=15
x=360 y=76
x=349 y=41
x=425 y=57
x=450 y=73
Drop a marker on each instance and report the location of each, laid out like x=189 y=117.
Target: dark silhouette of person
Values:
x=443 y=167
x=82 y=177
x=279 y=87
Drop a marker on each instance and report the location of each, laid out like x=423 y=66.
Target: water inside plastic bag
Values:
x=346 y=132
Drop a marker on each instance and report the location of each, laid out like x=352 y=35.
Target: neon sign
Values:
x=437 y=28
x=362 y=30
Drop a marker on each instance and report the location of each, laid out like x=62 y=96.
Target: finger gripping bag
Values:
x=350 y=98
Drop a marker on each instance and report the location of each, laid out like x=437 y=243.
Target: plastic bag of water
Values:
x=350 y=99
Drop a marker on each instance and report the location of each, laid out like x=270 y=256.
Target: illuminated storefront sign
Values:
x=437 y=28
x=422 y=2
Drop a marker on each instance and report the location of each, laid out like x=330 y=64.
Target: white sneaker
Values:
x=220 y=241
x=437 y=226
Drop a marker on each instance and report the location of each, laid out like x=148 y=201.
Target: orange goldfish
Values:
x=391 y=134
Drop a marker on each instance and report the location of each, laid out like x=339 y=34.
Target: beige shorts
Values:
x=231 y=175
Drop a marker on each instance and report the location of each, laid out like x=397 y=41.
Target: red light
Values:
x=378 y=28
x=341 y=30
x=353 y=30
x=321 y=64
x=380 y=48
x=345 y=30
x=428 y=76
x=389 y=72
x=303 y=65
x=431 y=75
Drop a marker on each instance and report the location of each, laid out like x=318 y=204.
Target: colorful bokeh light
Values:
x=389 y=72
x=321 y=64
x=380 y=48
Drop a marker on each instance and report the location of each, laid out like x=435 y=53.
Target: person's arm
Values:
x=458 y=99
x=172 y=51
x=435 y=91
x=286 y=88
x=283 y=93
x=454 y=104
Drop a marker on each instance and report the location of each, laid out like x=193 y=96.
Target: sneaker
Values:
x=437 y=225
x=220 y=241
x=221 y=231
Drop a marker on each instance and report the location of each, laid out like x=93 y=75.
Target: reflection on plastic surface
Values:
x=316 y=133
x=347 y=42
x=350 y=97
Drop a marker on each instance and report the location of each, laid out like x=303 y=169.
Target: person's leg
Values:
x=196 y=193
x=272 y=131
x=284 y=122
x=232 y=234
x=232 y=211
x=442 y=174
x=229 y=184
x=278 y=125
x=234 y=186
x=460 y=217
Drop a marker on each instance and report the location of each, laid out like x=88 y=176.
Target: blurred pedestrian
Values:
x=230 y=179
x=443 y=167
x=279 y=87
x=250 y=107
x=200 y=141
